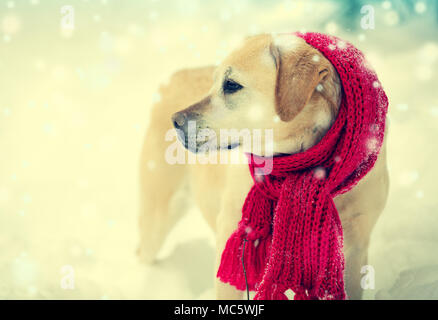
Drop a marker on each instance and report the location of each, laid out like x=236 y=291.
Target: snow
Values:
x=386 y=5
x=391 y=18
x=319 y=173
x=69 y=167
x=319 y=87
x=420 y=7
x=276 y=119
x=286 y=42
x=331 y=46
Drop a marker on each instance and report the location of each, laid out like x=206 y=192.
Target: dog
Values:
x=276 y=82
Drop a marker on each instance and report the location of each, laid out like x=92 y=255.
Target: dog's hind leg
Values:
x=163 y=200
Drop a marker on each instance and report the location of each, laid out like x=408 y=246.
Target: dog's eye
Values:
x=230 y=86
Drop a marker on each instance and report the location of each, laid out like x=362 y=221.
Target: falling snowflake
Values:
x=420 y=7
x=402 y=107
x=24 y=270
x=428 y=53
x=259 y=178
x=331 y=28
x=153 y=15
x=26 y=198
x=386 y=5
x=408 y=177
x=342 y=44
x=419 y=194
x=434 y=111
x=391 y=18
x=48 y=128
x=32 y=290
x=372 y=145
x=319 y=173
x=156 y=97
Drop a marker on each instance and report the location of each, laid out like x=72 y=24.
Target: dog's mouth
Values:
x=232 y=146
x=196 y=146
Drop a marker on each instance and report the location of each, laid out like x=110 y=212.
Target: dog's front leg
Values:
x=226 y=224
x=224 y=291
x=356 y=257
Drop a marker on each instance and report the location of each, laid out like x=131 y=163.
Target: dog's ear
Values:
x=298 y=74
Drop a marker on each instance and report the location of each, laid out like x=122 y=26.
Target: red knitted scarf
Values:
x=292 y=227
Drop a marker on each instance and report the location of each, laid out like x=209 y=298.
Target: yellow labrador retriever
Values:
x=252 y=88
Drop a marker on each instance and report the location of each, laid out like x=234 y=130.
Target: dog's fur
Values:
x=287 y=86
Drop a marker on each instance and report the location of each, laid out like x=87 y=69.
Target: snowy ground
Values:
x=74 y=109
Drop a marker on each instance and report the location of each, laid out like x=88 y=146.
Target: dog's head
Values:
x=276 y=82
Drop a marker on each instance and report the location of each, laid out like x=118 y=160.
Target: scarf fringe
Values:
x=255 y=257
x=277 y=292
x=271 y=292
x=303 y=295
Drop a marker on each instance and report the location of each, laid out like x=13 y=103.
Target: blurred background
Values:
x=75 y=97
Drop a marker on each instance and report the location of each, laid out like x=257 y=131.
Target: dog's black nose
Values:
x=179 y=120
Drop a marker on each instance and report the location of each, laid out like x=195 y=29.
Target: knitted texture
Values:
x=294 y=233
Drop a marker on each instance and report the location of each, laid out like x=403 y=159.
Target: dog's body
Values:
x=218 y=189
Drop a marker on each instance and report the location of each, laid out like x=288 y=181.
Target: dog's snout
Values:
x=186 y=126
x=179 y=119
